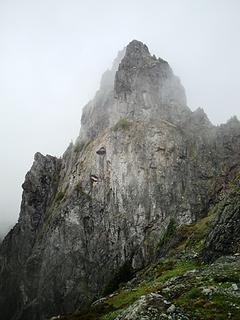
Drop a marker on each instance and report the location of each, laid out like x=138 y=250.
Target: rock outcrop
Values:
x=224 y=237
x=142 y=160
x=138 y=87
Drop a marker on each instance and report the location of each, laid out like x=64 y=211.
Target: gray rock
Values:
x=209 y=290
x=235 y=287
x=171 y=309
x=89 y=215
x=150 y=307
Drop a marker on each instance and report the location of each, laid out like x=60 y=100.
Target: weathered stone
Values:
x=171 y=309
x=235 y=287
x=150 y=307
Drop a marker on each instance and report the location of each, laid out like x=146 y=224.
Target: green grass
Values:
x=175 y=270
x=194 y=235
x=194 y=293
x=122 y=124
x=171 y=228
x=127 y=297
x=198 y=233
x=110 y=316
x=216 y=306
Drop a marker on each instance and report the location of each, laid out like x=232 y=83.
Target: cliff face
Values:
x=224 y=236
x=142 y=160
x=20 y=254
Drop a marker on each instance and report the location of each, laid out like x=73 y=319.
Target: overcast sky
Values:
x=53 y=52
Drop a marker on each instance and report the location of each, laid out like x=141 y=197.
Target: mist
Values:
x=53 y=53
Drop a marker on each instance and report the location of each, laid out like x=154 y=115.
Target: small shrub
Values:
x=218 y=306
x=175 y=271
x=171 y=228
x=127 y=297
x=122 y=124
x=227 y=277
x=194 y=293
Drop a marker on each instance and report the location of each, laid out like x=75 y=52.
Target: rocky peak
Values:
x=139 y=70
x=136 y=55
x=198 y=121
x=138 y=87
x=39 y=186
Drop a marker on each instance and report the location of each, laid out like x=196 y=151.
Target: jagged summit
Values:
x=138 y=87
x=136 y=59
x=137 y=51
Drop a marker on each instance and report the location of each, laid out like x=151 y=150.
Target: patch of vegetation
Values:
x=78 y=186
x=59 y=196
x=80 y=192
x=226 y=277
x=128 y=296
x=171 y=228
x=122 y=124
x=198 y=233
x=175 y=270
x=163 y=266
x=216 y=306
x=221 y=302
x=110 y=316
x=235 y=184
x=194 y=293
x=79 y=147
x=194 y=235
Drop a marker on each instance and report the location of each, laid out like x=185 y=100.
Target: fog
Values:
x=53 y=53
